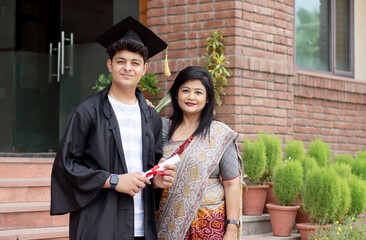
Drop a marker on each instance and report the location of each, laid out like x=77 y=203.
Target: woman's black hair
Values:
x=129 y=45
x=207 y=115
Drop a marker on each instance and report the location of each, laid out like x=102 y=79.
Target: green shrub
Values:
x=294 y=149
x=345 y=200
x=321 y=152
x=254 y=159
x=358 y=167
x=342 y=169
x=343 y=158
x=358 y=195
x=273 y=148
x=361 y=154
x=307 y=163
x=287 y=180
x=352 y=228
x=321 y=194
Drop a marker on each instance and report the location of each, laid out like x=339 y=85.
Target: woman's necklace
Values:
x=120 y=107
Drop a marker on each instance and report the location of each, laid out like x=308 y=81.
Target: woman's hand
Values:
x=231 y=232
x=168 y=179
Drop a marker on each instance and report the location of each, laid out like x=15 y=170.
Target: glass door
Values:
x=57 y=62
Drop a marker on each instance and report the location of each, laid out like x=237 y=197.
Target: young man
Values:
x=110 y=140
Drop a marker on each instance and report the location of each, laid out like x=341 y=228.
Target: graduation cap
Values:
x=131 y=29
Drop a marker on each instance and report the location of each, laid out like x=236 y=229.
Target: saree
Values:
x=194 y=206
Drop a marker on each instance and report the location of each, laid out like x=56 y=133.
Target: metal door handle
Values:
x=63 y=39
x=58 y=49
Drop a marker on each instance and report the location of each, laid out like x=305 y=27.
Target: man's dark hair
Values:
x=129 y=45
x=207 y=115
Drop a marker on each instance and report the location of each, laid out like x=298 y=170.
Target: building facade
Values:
x=291 y=75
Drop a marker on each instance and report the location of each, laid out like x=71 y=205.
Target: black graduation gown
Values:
x=89 y=152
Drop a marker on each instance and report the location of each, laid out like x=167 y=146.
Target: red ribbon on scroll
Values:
x=155 y=171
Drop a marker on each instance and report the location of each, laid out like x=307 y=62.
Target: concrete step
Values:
x=253 y=225
x=269 y=236
x=16 y=167
x=52 y=233
x=29 y=215
x=14 y=190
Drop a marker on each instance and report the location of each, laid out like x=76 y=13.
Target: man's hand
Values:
x=169 y=175
x=131 y=183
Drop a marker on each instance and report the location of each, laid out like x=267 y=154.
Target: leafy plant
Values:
x=273 y=148
x=358 y=195
x=358 y=167
x=342 y=169
x=294 y=149
x=321 y=194
x=361 y=155
x=320 y=151
x=345 y=200
x=343 y=158
x=352 y=228
x=254 y=159
x=307 y=163
x=102 y=82
x=217 y=63
x=287 y=180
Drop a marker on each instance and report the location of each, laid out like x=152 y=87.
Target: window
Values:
x=324 y=36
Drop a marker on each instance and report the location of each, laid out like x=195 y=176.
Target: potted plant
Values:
x=307 y=163
x=287 y=184
x=320 y=151
x=343 y=158
x=358 y=195
x=321 y=196
x=254 y=193
x=273 y=148
x=294 y=149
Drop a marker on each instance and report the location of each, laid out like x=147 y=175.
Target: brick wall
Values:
x=265 y=92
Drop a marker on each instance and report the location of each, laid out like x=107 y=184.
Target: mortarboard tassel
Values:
x=166 y=65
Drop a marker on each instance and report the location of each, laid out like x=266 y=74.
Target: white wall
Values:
x=360 y=39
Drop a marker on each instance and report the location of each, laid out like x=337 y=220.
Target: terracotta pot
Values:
x=270 y=196
x=254 y=198
x=282 y=219
x=306 y=229
x=302 y=216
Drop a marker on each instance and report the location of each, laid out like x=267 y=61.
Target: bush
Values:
x=358 y=167
x=345 y=200
x=307 y=163
x=254 y=159
x=294 y=149
x=321 y=194
x=342 y=169
x=321 y=152
x=361 y=155
x=273 y=148
x=287 y=180
x=358 y=195
x=353 y=228
x=343 y=158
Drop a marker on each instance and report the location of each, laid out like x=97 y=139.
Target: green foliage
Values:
x=321 y=194
x=358 y=167
x=307 y=163
x=294 y=149
x=343 y=158
x=287 y=180
x=254 y=159
x=102 y=82
x=342 y=169
x=217 y=63
x=320 y=151
x=148 y=82
x=361 y=155
x=352 y=228
x=358 y=195
x=345 y=200
x=273 y=148
x=163 y=103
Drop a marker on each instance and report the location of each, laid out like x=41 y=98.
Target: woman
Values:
x=204 y=201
